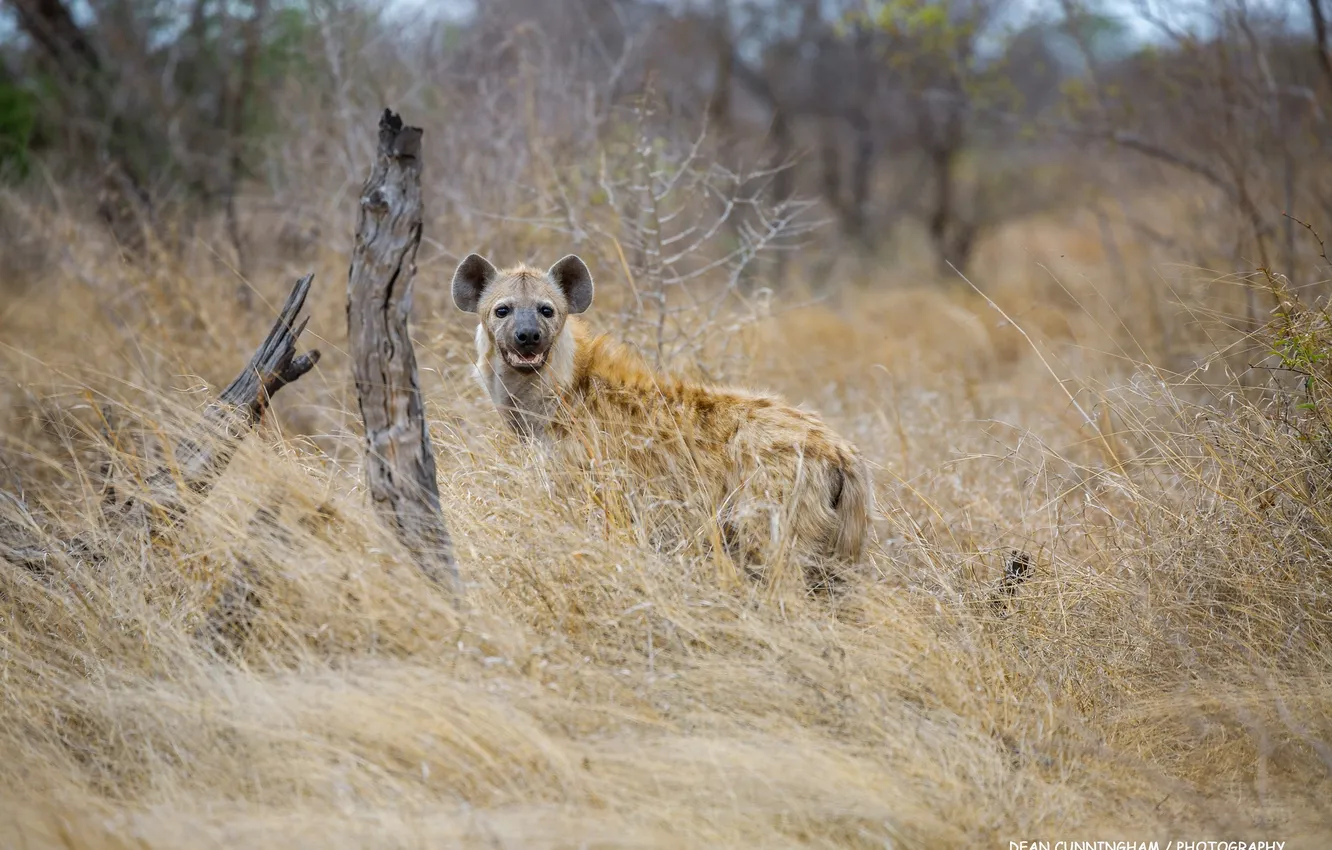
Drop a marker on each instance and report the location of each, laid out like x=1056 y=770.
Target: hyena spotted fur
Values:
x=779 y=482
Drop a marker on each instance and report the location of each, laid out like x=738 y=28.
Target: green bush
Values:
x=18 y=123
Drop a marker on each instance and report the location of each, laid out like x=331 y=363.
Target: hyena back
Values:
x=779 y=482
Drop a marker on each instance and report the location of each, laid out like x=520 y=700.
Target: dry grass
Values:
x=1164 y=673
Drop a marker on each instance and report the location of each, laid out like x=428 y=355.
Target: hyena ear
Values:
x=474 y=274
x=572 y=277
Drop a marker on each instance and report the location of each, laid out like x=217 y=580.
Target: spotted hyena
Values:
x=779 y=482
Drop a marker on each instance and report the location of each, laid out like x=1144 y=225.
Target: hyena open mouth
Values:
x=525 y=362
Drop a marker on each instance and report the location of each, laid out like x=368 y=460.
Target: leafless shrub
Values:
x=687 y=234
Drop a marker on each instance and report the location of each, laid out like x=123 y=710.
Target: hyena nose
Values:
x=527 y=337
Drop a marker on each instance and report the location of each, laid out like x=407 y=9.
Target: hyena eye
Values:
x=501 y=311
x=548 y=311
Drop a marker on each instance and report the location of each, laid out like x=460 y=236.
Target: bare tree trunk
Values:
x=719 y=104
x=50 y=24
x=862 y=173
x=1320 y=37
x=830 y=172
x=400 y=463
x=941 y=216
x=720 y=122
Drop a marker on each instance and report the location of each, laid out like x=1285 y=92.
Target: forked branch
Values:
x=200 y=458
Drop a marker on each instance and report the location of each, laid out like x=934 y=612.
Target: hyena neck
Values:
x=528 y=401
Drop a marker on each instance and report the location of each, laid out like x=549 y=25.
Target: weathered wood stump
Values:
x=399 y=460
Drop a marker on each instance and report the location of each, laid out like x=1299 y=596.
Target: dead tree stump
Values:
x=399 y=460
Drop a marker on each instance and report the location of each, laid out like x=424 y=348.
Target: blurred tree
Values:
x=164 y=95
x=1235 y=95
x=18 y=123
x=942 y=118
x=1318 y=16
x=898 y=98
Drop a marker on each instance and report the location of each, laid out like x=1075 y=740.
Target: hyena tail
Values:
x=852 y=503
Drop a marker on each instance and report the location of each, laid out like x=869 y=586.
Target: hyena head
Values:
x=521 y=309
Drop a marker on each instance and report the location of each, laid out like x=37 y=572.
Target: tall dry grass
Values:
x=1163 y=674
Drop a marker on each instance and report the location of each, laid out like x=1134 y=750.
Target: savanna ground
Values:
x=1163 y=674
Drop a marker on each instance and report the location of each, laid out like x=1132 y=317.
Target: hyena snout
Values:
x=527 y=336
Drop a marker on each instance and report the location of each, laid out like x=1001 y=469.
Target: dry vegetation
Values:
x=1165 y=672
